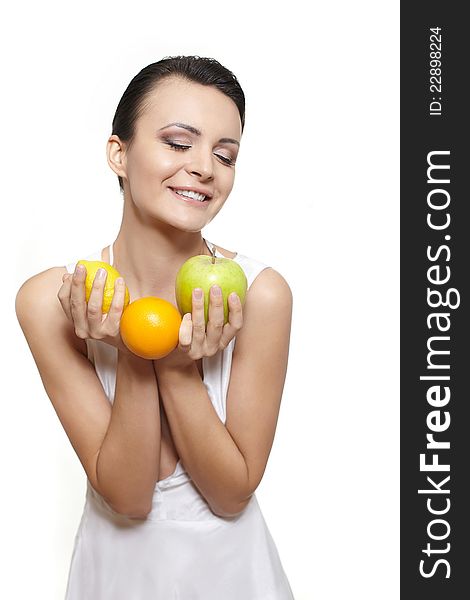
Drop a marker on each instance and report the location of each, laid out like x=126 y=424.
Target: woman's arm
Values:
x=118 y=445
x=227 y=462
x=128 y=463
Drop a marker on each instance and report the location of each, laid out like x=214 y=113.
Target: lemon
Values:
x=92 y=267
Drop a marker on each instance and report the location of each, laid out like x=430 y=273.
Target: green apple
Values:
x=203 y=272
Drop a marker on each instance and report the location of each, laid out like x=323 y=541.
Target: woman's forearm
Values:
x=207 y=450
x=129 y=460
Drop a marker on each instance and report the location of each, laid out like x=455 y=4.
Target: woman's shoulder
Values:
x=37 y=305
x=41 y=285
x=271 y=290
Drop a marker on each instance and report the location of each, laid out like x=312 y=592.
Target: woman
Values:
x=174 y=448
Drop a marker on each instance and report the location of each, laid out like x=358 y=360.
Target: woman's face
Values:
x=186 y=139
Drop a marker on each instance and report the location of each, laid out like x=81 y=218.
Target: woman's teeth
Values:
x=191 y=194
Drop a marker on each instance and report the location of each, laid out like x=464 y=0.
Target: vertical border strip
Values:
x=435 y=269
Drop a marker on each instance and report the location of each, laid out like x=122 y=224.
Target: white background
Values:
x=316 y=197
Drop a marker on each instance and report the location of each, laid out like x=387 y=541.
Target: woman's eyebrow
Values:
x=197 y=132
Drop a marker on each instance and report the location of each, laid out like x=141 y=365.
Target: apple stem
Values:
x=213 y=255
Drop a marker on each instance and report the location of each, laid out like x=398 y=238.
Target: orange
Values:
x=150 y=327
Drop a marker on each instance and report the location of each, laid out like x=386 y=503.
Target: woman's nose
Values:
x=201 y=165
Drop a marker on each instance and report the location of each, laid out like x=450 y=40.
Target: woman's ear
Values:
x=116 y=153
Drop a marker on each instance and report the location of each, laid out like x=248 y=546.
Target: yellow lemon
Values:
x=92 y=267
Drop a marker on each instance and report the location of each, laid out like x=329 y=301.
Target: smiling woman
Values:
x=195 y=153
x=173 y=448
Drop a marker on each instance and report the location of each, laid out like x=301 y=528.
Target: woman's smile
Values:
x=191 y=198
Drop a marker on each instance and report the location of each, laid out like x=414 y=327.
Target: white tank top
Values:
x=182 y=550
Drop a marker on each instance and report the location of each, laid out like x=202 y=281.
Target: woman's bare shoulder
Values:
x=37 y=300
x=37 y=289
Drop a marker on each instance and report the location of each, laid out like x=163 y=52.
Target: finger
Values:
x=64 y=294
x=235 y=320
x=215 y=323
x=113 y=318
x=199 y=324
x=186 y=333
x=95 y=302
x=78 y=302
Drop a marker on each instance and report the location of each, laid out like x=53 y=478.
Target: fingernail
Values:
x=198 y=293
x=216 y=290
x=101 y=273
x=234 y=297
x=78 y=269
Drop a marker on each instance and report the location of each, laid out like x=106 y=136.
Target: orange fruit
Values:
x=150 y=327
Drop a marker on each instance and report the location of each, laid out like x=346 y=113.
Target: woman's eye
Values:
x=177 y=146
x=225 y=159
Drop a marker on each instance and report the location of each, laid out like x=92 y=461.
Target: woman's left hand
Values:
x=198 y=341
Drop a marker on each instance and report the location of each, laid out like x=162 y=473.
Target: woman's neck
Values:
x=150 y=258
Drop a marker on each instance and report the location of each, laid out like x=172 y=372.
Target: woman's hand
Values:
x=198 y=341
x=88 y=318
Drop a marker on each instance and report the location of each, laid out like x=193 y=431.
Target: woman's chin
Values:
x=185 y=223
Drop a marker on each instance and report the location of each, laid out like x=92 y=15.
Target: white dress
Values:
x=182 y=550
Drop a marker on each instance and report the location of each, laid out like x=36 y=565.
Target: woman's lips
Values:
x=190 y=201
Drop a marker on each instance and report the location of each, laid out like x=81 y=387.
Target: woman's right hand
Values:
x=87 y=317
